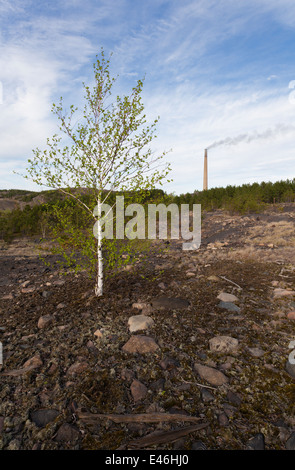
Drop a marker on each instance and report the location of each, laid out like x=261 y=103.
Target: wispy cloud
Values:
x=216 y=70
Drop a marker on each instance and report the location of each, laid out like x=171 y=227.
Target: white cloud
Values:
x=44 y=53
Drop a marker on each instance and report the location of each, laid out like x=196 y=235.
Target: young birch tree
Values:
x=108 y=150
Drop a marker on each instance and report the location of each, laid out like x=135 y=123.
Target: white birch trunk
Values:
x=99 y=284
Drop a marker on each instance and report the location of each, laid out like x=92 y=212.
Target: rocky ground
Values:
x=190 y=351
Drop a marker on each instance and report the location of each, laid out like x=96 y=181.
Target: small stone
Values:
x=45 y=321
x=223 y=420
x=128 y=267
x=140 y=305
x=207 y=395
x=290 y=444
x=140 y=344
x=127 y=374
x=44 y=416
x=226 y=366
x=158 y=385
x=278 y=293
x=225 y=297
x=77 y=368
x=138 y=391
x=190 y=274
x=67 y=433
x=291 y=315
x=223 y=344
x=46 y=294
x=52 y=369
x=198 y=445
x=29 y=365
x=229 y=410
x=234 y=398
x=61 y=305
x=9 y=296
x=290 y=368
x=140 y=322
x=168 y=363
x=256 y=352
x=34 y=362
x=213 y=278
x=59 y=282
x=27 y=290
x=100 y=333
x=229 y=306
x=256 y=442
x=211 y=375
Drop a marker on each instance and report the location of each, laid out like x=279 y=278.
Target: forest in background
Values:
x=36 y=216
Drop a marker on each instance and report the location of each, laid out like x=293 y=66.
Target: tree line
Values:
x=40 y=220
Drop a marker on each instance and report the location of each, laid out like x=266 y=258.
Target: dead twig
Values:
x=232 y=282
x=199 y=385
x=164 y=437
x=136 y=418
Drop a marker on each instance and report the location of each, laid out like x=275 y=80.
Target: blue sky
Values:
x=215 y=70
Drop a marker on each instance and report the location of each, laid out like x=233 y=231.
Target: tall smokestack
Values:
x=205 y=181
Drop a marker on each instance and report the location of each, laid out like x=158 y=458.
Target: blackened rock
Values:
x=206 y=395
x=44 y=416
x=173 y=303
x=158 y=385
x=234 y=398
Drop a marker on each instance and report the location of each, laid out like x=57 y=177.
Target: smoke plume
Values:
x=279 y=129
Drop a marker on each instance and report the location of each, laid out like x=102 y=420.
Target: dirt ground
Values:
x=68 y=380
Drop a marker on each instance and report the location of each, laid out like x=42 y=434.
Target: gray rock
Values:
x=256 y=442
x=231 y=307
x=290 y=368
x=140 y=322
x=44 y=416
x=225 y=297
x=223 y=344
x=46 y=294
x=290 y=444
x=45 y=321
x=256 y=352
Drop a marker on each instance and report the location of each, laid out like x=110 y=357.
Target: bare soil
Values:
x=75 y=373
